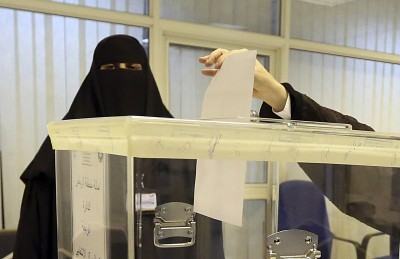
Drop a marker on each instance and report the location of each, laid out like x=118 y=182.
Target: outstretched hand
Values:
x=265 y=87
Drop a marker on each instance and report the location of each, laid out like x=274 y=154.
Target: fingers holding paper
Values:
x=216 y=59
x=265 y=87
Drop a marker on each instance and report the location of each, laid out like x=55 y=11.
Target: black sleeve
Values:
x=306 y=109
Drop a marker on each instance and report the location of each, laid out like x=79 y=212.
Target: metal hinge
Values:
x=174 y=220
x=293 y=243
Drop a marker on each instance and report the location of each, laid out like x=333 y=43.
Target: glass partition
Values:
x=262 y=16
x=128 y=6
x=365 y=24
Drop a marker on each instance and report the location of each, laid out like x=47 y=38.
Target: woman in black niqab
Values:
x=119 y=83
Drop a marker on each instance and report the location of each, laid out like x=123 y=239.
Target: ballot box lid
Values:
x=249 y=139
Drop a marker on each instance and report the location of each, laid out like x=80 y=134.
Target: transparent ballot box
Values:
x=126 y=188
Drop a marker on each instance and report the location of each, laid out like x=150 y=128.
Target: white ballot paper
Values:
x=219 y=184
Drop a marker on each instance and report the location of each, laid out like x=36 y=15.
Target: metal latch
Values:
x=174 y=221
x=293 y=243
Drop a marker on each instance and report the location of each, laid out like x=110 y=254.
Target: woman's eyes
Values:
x=127 y=66
x=107 y=67
x=133 y=66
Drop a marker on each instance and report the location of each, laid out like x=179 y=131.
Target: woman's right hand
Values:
x=265 y=87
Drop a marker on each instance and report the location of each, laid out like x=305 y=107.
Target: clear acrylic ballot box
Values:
x=126 y=189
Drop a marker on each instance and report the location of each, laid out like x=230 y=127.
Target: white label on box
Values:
x=88 y=204
x=148 y=202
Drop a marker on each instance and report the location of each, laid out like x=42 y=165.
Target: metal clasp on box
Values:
x=174 y=221
x=293 y=243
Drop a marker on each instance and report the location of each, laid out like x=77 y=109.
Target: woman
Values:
x=119 y=83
